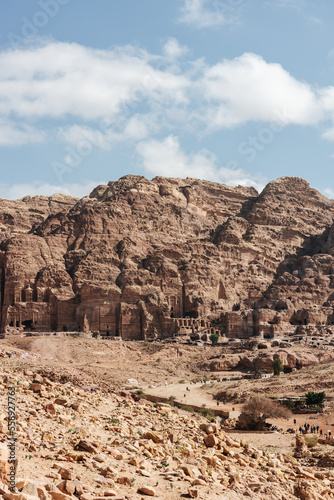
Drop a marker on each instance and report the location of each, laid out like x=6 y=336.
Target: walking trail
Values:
x=195 y=396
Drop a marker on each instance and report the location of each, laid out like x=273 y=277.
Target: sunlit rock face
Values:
x=145 y=259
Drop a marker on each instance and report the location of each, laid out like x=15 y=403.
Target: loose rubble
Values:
x=89 y=445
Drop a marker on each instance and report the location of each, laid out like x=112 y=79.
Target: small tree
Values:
x=315 y=398
x=214 y=337
x=255 y=413
x=277 y=366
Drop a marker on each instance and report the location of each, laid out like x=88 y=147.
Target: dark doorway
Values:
x=27 y=324
x=192 y=314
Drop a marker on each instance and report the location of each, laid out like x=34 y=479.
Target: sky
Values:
x=234 y=91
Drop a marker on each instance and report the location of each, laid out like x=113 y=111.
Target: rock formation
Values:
x=146 y=259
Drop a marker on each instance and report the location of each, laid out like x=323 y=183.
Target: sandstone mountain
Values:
x=145 y=259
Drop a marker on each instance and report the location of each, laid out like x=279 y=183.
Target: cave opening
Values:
x=27 y=324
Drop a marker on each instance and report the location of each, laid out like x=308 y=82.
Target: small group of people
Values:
x=304 y=429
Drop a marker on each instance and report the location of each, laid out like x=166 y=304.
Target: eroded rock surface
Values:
x=145 y=259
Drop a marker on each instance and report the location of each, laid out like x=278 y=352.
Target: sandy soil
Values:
x=112 y=364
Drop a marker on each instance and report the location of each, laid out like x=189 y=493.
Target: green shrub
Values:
x=214 y=337
x=315 y=398
x=188 y=408
x=206 y=412
x=311 y=441
x=277 y=366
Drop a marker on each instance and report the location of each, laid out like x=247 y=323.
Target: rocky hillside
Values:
x=137 y=257
x=74 y=441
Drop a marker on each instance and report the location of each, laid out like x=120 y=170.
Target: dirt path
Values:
x=195 y=396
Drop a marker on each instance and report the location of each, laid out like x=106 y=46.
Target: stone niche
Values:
x=173 y=291
x=175 y=305
x=101 y=316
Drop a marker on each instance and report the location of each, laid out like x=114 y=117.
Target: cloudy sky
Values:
x=234 y=91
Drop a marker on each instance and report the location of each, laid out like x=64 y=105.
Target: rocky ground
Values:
x=77 y=437
x=109 y=364
x=73 y=442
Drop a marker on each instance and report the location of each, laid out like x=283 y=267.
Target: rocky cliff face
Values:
x=140 y=259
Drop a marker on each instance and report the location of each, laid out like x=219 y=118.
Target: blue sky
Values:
x=234 y=91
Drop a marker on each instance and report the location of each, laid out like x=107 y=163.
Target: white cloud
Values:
x=136 y=129
x=327 y=103
x=75 y=134
x=315 y=20
x=105 y=137
x=327 y=99
x=248 y=88
x=20 y=190
x=300 y=6
x=126 y=94
x=328 y=134
x=329 y=192
x=173 y=50
x=166 y=158
x=208 y=13
x=12 y=134
x=61 y=79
